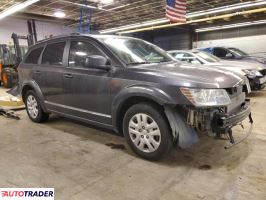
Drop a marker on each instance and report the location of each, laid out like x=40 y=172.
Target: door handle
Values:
x=68 y=76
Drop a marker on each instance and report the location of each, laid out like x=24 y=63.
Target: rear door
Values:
x=31 y=64
x=51 y=69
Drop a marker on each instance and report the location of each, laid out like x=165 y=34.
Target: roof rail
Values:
x=74 y=33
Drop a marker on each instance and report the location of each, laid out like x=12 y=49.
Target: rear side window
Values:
x=53 y=54
x=34 y=56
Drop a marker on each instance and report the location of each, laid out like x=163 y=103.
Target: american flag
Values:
x=176 y=10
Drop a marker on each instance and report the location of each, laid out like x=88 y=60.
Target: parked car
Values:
x=232 y=53
x=255 y=72
x=130 y=86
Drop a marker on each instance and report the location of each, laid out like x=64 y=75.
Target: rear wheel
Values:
x=147 y=131
x=34 y=109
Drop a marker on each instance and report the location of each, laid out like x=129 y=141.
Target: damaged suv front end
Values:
x=212 y=111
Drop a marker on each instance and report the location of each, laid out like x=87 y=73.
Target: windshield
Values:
x=238 y=52
x=207 y=57
x=134 y=51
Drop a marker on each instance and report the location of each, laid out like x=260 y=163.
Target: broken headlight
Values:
x=252 y=73
x=206 y=97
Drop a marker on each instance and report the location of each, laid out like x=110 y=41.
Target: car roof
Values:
x=225 y=47
x=184 y=51
x=95 y=36
x=177 y=51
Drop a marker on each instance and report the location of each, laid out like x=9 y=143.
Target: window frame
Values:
x=64 y=53
x=30 y=51
x=90 y=41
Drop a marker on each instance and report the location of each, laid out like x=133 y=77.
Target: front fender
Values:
x=149 y=92
x=32 y=84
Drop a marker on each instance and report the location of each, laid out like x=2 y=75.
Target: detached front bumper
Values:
x=222 y=123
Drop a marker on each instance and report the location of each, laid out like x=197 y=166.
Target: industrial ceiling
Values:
x=119 y=13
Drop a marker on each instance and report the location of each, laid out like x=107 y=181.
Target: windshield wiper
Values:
x=138 y=63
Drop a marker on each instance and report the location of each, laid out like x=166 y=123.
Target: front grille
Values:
x=263 y=72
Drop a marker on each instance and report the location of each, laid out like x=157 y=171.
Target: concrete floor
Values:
x=78 y=161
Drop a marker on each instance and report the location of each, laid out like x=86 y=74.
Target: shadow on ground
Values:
x=207 y=154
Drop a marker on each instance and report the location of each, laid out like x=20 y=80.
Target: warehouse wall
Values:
x=11 y=25
x=251 y=44
x=168 y=39
x=250 y=39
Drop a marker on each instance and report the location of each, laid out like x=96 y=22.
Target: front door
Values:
x=86 y=89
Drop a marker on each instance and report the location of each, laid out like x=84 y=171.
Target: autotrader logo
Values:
x=27 y=193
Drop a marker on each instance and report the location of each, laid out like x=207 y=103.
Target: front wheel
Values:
x=147 y=131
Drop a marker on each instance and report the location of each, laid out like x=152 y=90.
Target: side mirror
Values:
x=98 y=62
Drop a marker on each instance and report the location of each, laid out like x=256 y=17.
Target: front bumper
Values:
x=222 y=123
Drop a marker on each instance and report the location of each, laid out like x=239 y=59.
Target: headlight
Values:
x=206 y=97
x=252 y=73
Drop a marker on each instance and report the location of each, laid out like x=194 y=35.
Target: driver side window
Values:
x=222 y=53
x=229 y=55
x=79 y=52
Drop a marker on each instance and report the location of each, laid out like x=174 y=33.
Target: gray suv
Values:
x=133 y=87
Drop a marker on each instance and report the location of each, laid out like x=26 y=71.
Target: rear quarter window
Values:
x=34 y=56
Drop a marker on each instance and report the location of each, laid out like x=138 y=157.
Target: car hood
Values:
x=185 y=75
x=251 y=65
x=259 y=59
x=234 y=69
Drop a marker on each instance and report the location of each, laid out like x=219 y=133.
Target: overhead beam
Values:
x=195 y=21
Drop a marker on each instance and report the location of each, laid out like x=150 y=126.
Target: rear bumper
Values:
x=224 y=122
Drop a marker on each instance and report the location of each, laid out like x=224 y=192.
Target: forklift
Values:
x=11 y=56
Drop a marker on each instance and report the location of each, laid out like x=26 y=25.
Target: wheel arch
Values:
x=32 y=85
x=134 y=95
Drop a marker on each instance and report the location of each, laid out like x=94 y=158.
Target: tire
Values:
x=153 y=140
x=34 y=109
x=6 y=78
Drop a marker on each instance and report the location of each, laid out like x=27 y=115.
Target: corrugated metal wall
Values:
x=168 y=39
x=233 y=33
x=250 y=39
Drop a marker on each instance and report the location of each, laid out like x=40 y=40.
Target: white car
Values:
x=253 y=71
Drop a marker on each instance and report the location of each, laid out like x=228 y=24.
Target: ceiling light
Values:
x=229 y=26
x=17 y=7
x=106 y=1
x=188 y=16
x=59 y=14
